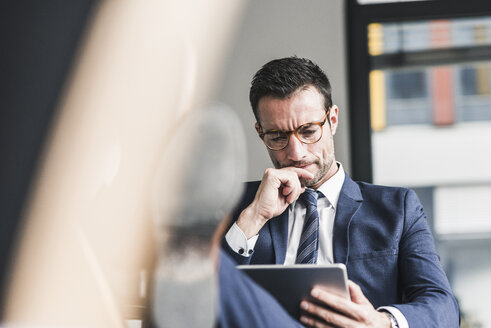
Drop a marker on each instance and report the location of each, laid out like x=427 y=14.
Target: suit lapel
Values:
x=279 y=236
x=349 y=202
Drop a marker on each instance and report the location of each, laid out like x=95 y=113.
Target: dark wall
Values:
x=38 y=41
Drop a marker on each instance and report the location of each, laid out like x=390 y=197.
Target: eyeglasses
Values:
x=308 y=133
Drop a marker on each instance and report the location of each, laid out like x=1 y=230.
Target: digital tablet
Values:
x=290 y=284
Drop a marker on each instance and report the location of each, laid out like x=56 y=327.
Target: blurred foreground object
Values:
x=86 y=251
x=209 y=147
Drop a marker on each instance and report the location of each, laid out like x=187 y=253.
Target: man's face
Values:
x=305 y=105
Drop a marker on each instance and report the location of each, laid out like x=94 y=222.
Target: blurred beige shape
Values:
x=87 y=245
x=209 y=146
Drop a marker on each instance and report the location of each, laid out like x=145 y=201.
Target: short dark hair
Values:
x=282 y=77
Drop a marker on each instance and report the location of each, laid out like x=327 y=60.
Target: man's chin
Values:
x=307 y=182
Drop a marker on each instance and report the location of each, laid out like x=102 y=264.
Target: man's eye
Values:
x=278 y=138
x=308 y=132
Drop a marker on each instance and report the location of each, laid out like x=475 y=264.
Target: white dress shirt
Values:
x=326 y=206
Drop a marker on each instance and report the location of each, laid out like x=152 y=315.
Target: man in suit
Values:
x=308 y=210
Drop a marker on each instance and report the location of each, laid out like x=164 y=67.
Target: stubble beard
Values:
x=319 y=175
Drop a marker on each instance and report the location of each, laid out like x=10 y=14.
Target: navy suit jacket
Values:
x=381 y=235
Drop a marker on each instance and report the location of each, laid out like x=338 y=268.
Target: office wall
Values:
x=280 y=28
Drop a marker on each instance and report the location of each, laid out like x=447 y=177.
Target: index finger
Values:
x=301 y=173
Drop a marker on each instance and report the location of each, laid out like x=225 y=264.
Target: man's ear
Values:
x=333 y=118
x=258 y=128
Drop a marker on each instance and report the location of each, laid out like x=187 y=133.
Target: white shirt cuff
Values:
x=400 y=318
x=238 y=241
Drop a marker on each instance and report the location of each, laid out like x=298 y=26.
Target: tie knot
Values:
x=309 y=197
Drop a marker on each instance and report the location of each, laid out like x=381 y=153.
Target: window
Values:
x=420 y=111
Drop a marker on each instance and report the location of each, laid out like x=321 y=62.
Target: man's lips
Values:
x=302 y=165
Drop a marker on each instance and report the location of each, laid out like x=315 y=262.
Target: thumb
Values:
x=356 y=294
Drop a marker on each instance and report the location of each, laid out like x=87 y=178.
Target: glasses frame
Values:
x=295 y=132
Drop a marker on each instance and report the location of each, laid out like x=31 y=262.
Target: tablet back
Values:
x=290 y=284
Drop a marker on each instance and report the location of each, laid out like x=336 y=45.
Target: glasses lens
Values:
x=309 y=133
x=276 y=140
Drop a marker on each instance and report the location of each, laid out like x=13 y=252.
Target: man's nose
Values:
x=295 y=149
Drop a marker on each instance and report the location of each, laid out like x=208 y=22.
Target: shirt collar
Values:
x=332 y=187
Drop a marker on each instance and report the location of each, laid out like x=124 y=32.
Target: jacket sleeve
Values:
x=245 y=304
x=426 y=293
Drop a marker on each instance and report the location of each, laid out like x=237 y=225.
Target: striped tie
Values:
x=309 y=241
